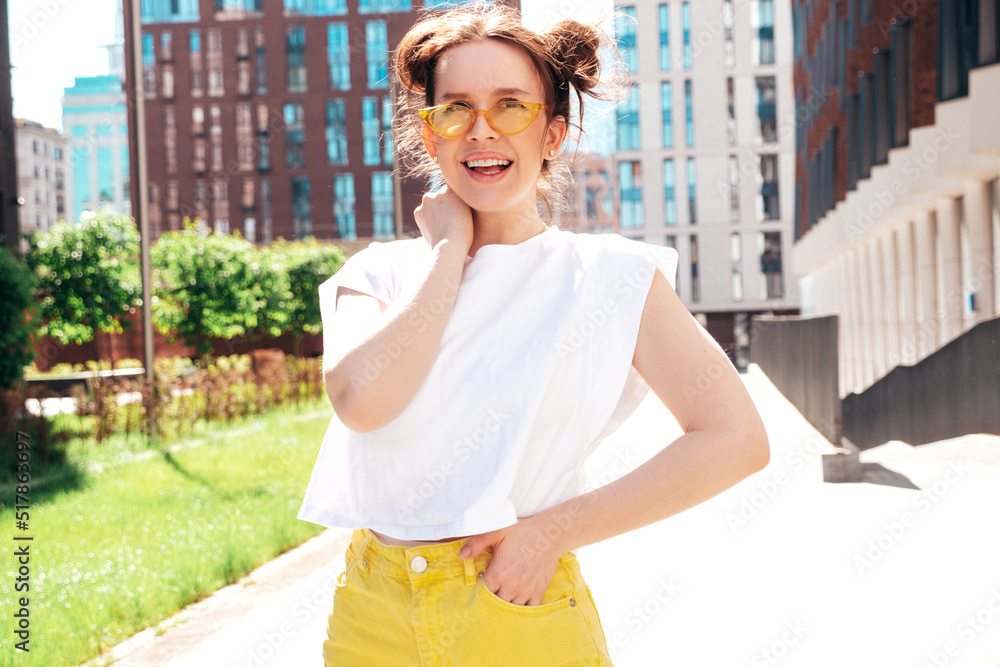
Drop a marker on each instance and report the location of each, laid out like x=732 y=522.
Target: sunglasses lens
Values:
x=451 y=121
x=511 y=117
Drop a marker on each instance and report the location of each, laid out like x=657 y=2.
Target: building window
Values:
x=81 y=179
x=170 y=11
x=167 y=82
x=166 y=47
x=198 y=121
x=387 y=141
x=227 y=10
x=301 y=207
x=628 y=122
x=265 y=211
x=295 y=50
x=338 y=53
x=382 y=6
x=220 y=205
x=767 y=113
x=336 y=133
x=315 y=7
x=343 y=205
x=625 y=31
x=194 y=38
x=765 y=32
x=377 y=54
x=244 y=137
x=665 y=37
x=692 y=183
x=669 y=193
x=688 y=113
x=215 y=136
x=731 y=111
x=148 y=66
x=667 y=101
x=248 y=196
x=371 y=128
x=695 y=283
x=295 y=136
x=197 y=83
x=771 y=284
x=216 y=86
x=866 y=148
x=727 y=27
x=883 y=105
x=630 y=187
x=170 y=139
x=901 y=84
x=172 y=199
x=260 y=62
x=734 y=189
x=383 y=205
x=853 y=139
x=736 y=261
x=769 y=206
x=686 y=34
x=199 y=156
x=957 y=49
x=244 y=78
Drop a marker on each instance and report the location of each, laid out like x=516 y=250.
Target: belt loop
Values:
x=362 y=556
x=470 y=571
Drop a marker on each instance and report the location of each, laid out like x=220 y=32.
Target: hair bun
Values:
x=574 y=47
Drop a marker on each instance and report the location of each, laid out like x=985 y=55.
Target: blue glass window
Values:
x=336 y=133
x=765 y=32
x=295 y=136
x=301 y=207
x=664 y=37
x=380 y=6
x=669 y=192
x=625 y=30
x=628 y=122
x=343 y=205
x=338 y=53
x=79 y=130
x=371 y=128
x=686 y=28
x=170 y=11
x=81 y=179
x=295 y=48
x=667 y=100
x=315 y=7
x=195 y=38
x=377 y=52
x=692 y=177
x=383 y=205
x=689 y=112
x=630 y=187
x=387 y=143
x=148 y=54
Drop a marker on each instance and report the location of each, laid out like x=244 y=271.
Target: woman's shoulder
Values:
x=614 y=251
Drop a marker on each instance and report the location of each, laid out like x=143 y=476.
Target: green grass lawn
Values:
x=122 y=542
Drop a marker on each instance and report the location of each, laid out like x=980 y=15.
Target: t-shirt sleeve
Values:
x=370 y=271
x=627 y=273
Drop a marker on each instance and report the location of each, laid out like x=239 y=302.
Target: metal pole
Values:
x=133 y=14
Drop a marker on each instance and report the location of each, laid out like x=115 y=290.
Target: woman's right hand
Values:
x=442 y=215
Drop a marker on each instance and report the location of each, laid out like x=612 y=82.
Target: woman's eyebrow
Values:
x=499 y=92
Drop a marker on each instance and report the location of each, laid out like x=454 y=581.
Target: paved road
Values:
x=783 y=569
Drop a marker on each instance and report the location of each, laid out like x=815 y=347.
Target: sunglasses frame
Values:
x=536 y=107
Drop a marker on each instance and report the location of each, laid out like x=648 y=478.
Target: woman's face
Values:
x=479 y=75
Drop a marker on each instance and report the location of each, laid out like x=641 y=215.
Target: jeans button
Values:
x=418 y=564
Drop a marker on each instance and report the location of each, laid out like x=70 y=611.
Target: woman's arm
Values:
x=724 y=441
x=375 y=357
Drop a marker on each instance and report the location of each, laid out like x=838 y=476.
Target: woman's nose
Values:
x=481 y=129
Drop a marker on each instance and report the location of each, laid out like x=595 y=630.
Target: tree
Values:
x=214 y=285
x=309 y=263
x=16 y=283
x=88 y=278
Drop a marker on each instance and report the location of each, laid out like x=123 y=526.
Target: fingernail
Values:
x=463 y=553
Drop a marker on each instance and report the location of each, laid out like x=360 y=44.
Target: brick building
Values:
x=897 y=191
x=272 y=117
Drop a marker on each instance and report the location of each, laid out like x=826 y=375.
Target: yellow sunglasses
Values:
x=455 y=120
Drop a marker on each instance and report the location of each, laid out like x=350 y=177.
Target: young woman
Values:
x=474 y=369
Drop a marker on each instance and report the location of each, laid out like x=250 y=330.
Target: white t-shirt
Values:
x=533 y=371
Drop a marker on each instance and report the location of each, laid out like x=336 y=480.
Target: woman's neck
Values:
x=504 y=227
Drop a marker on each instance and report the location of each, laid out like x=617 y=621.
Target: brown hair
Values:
x=566 y=57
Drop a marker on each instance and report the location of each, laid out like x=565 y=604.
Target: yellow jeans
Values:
x=424 y=606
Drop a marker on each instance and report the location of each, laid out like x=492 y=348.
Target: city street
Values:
x=782 y=569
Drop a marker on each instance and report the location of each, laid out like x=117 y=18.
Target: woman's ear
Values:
x=430 y=141
x=554 y=135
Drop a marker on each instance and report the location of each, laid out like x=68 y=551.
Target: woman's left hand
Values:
x=523 y=561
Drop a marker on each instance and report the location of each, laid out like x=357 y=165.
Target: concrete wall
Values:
x=953 y=392
x=800 y=357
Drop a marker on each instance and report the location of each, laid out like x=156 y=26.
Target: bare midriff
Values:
x=393 y=542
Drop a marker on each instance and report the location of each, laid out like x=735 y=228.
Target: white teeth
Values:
x=488 y=163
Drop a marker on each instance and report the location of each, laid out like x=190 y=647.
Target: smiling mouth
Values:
x=488 y=167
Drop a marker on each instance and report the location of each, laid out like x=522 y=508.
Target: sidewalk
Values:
x=899 y=571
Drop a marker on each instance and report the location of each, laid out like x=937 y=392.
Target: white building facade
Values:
x=41 y=175
x=96 y=128
x=706 y=149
